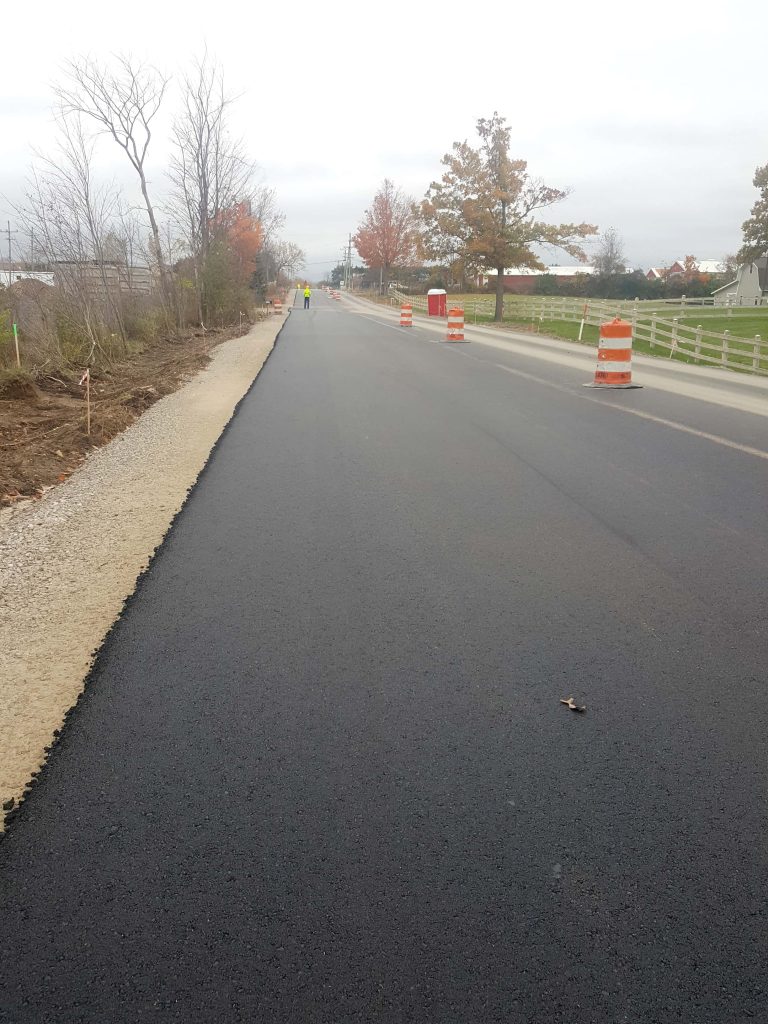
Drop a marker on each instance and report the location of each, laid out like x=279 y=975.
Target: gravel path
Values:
x=69 y=561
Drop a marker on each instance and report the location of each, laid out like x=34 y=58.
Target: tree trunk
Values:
x=499 y=311
x=165 y=280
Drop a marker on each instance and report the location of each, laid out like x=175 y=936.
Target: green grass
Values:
x=740 y=325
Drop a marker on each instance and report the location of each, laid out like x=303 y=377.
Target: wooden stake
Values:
x=583 y=318
x=86 y=379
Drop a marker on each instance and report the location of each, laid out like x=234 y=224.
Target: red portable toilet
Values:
x=437 y=302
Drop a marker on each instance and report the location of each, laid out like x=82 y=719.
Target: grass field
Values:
x=740 y=325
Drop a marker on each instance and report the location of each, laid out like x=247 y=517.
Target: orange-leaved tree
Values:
x=244 y=237
x=690 y=269
x=236 y=242
x=485 y=210
x=387 y=235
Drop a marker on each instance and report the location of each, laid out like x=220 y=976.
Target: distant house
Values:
x=664 y=273
x=678 y=268
x=748 y=288
x=522 y=280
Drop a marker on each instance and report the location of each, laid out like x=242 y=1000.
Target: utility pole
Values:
x=343 y=265
x=9 y=233
x=349 y=265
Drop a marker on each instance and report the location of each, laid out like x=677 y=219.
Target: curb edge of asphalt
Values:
x=60 y=735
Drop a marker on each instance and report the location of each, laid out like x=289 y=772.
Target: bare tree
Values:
x=209 y=171
x=94 y=205
x=129 y=237
x=70 y=218
x=609 y=258
x=211 y=175
x=286 y=257
x=265 y=209
x=123 y=104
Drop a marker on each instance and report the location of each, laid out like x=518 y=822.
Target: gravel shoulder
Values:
x=69 y=561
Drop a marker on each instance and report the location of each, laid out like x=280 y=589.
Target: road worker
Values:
x=307 y=295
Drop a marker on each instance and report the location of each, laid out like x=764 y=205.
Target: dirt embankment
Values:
x=69 y=560
x=43 y=423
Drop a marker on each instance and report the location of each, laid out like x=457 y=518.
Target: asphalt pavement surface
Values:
x=321 y=772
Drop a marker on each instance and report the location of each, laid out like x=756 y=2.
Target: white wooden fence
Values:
x=657 y=323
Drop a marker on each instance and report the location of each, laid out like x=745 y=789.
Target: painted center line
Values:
x=724 y=442
x=757 y=453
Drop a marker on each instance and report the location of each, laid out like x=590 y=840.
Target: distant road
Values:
x=323 y=774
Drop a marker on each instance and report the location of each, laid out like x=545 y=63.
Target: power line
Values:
x=322 y=263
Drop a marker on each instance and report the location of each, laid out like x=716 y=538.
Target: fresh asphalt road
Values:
x=321 y=773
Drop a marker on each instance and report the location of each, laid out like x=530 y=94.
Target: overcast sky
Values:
x=653 y=114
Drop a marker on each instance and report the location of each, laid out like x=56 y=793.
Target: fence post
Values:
x=674 y=338
x=724 y=353
x=653 y=330
x=697 y=345
x=756 y=355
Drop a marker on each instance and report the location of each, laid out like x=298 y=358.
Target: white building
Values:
x=32 y=275
x=748 y=288
x=710 y=267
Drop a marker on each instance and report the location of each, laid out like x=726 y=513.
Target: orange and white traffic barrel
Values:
x=614 y=356
x=278 y=306
x=455 y=325
x=406 y=315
